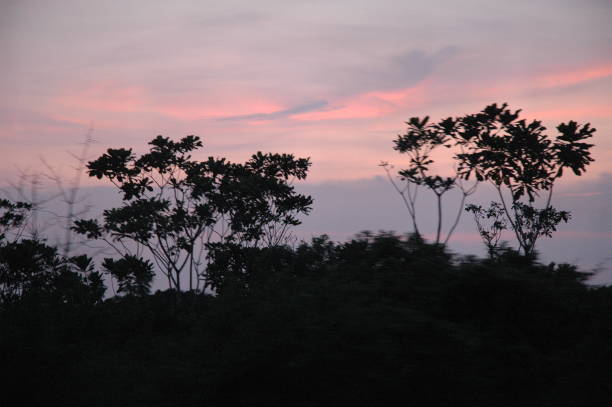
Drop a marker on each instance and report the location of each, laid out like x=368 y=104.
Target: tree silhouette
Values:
x=522 y=163
x=13 y=217
x=134 y=274
x=515 y=156
x=180 y=209
x=418 y=143
x=30 y=267
x=491 y=222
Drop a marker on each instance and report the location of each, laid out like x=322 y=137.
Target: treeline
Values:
x=375 y=320
x=252 y=318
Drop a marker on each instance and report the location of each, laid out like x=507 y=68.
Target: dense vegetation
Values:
x=252 y=319
x=361 y=323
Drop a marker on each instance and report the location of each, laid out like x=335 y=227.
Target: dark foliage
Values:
x=30 y=270
x=177 y=209
x=134 y=274
x=368 y=322
x=378 y=320
x=513 y=155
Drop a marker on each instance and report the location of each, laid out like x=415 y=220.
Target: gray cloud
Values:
x=394 y=72
x=280 y=114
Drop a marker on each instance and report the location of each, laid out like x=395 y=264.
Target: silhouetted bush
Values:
x=375 y=320
x=31 y=270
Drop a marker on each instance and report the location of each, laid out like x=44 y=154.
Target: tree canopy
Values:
x=495 y=146
x=180 y=209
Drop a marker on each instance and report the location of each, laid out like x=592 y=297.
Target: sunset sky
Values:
x=333 y=80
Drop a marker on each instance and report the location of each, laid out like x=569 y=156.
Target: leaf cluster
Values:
x=32 y=269
x=517 y=154
x=12 y=215
x=177 y=207
x=134 y=274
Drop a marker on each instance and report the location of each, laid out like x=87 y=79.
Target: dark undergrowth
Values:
x=380 y=320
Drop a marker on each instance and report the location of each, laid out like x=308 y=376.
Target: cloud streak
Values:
x=279 y=114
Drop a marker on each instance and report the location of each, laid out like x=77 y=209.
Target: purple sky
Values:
x=332 y=80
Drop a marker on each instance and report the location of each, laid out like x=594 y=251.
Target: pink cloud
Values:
x=105 y=96
x=567 y=78
x=548 y=80
x=112 y=97
x=219 y=110
x=360 y=107
x=575 y=113
x=370 y=105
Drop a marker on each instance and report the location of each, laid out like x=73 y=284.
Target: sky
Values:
x=333 y=80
